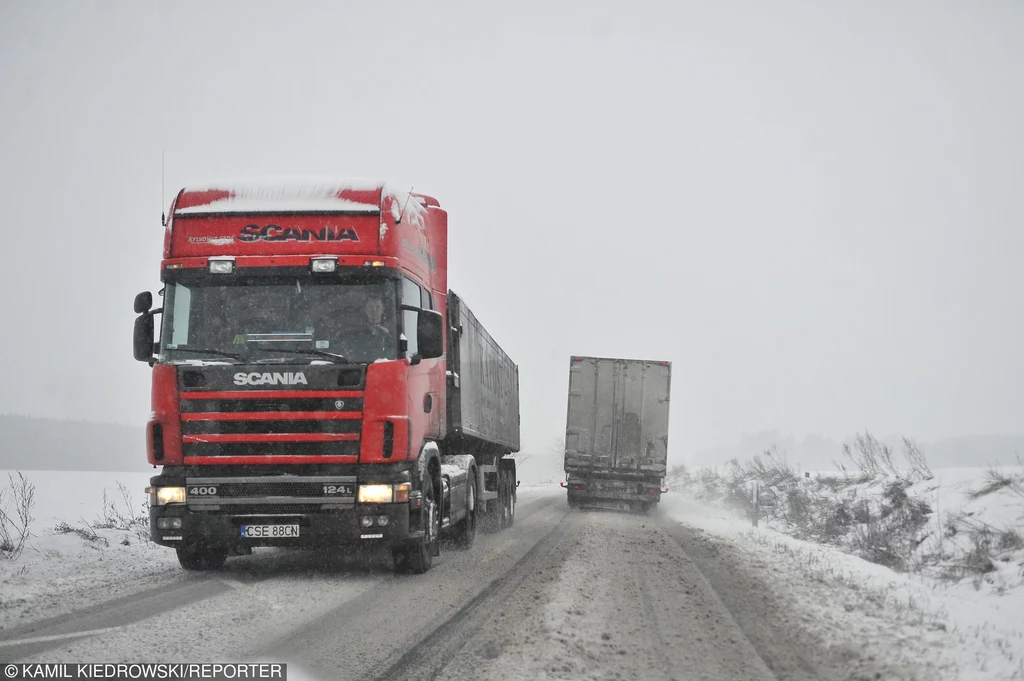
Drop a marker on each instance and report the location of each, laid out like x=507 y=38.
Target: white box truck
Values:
x=616 y=433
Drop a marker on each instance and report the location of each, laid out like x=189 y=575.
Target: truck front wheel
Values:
x=197 y=559
x=419 y=557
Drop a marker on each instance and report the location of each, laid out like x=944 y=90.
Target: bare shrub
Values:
x=886 y=461
x=866 y=456
x=892 y=538
x=121 y=514
x=874 y=459
x=16 y=519
x=1009 y=540
x=995 y=480
x=978 y=560
x=838 y=521
x=87 y=532
x=874 y=543
x=919 y=467
x=798 y=506
x=985 y=541
x=679 y=473
x=862 y=512
x=895 y=493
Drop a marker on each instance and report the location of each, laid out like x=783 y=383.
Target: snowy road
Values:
x=561 y=595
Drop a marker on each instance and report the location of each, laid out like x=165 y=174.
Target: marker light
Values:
x=324 y=264
x=373 y=263
x=220 y=266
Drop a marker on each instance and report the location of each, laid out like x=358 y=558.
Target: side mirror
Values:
x=429 y=334
x=143 y=302
x=143 y=340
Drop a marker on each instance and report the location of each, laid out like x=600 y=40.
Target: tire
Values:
x=493 y=520
x=201 y=559
x=465 y=532
x=419 y=557
x=502 y=501
x=509 y=515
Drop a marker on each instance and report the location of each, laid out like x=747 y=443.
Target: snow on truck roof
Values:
x=294 y=195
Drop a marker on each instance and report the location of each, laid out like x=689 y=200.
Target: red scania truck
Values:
x=315 y=383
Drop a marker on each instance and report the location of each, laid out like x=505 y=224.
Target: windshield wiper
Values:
x=209 y=351
x=322 y=353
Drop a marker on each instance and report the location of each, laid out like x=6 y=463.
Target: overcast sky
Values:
x=812 y=209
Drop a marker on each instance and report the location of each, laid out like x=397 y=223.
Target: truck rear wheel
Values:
x=196 y=559
x=508 y=515
x=465 y=532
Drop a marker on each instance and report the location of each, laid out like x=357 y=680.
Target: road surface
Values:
x=561 y=595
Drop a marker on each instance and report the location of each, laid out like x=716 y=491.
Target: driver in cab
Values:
x=380 y=336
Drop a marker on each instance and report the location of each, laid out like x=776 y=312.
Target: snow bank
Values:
x=970 y=628
x=81 y=563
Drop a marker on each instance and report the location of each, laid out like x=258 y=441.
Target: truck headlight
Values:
x=168 y=495
x=375 y=494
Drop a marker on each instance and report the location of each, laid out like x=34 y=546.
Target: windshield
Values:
x=284 y=320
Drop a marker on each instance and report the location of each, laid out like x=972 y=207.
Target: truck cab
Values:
x=301 y=374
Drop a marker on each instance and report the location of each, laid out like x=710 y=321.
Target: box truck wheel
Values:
x=465 y=531
x=418 y=557
x=195 y=558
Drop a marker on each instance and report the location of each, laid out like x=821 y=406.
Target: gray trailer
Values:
x=616 y=433
x=483 y=411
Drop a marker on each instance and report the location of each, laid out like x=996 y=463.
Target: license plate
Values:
x=270 y=531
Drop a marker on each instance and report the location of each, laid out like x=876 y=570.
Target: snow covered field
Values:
x=59 y=572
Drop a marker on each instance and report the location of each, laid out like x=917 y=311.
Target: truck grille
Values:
x=261 y=492
x=257 y=404
x=271 y=448
x=213 y=427
x=270 y=424
x=281 y=489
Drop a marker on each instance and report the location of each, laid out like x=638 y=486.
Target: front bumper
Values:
x=340 y=527
x=609 y=495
